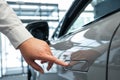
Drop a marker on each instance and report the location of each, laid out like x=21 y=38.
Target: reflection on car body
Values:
x=90 y=44
x=103 y=30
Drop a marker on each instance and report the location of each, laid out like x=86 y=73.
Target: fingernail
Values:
x=66 y=64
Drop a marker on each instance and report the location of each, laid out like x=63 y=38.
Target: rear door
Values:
x=87 y=49
x=113 y=61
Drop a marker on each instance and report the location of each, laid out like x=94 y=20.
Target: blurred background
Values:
x=52 y=11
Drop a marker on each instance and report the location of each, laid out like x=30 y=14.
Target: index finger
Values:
x=55 y=60
x=60 y=62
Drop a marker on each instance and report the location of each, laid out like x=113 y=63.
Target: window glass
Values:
x=83 y=18
x=96 y=9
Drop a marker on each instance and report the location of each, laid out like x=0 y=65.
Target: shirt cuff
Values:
x=18 y=35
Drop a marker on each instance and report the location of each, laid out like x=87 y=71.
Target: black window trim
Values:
x=76 y=8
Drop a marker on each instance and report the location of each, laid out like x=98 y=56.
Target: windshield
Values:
x=96 y=9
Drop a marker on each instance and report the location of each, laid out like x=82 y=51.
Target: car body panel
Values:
x=89 y=42
x=91 y=37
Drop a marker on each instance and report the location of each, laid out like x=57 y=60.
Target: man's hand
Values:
x=35 y=49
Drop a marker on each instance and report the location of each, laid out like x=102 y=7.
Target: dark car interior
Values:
x=39 y=30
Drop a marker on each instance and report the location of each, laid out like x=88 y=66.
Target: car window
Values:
x=84 y=18
x=95 y=10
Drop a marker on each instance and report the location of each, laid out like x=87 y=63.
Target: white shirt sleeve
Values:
x=11 y=26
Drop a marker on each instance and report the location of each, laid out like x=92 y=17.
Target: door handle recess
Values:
x=77 y=65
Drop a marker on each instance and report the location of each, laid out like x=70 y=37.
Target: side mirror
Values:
x=39 y=30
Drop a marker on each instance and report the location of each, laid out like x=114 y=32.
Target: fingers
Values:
x=36 y=67
x=50 y=64
x=59 y=62
x=43 y=62
x=47 y=58
x=53 y=59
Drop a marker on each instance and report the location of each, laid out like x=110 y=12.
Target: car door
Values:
x=113 y=61
x=86 y=49
x=84 y=45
